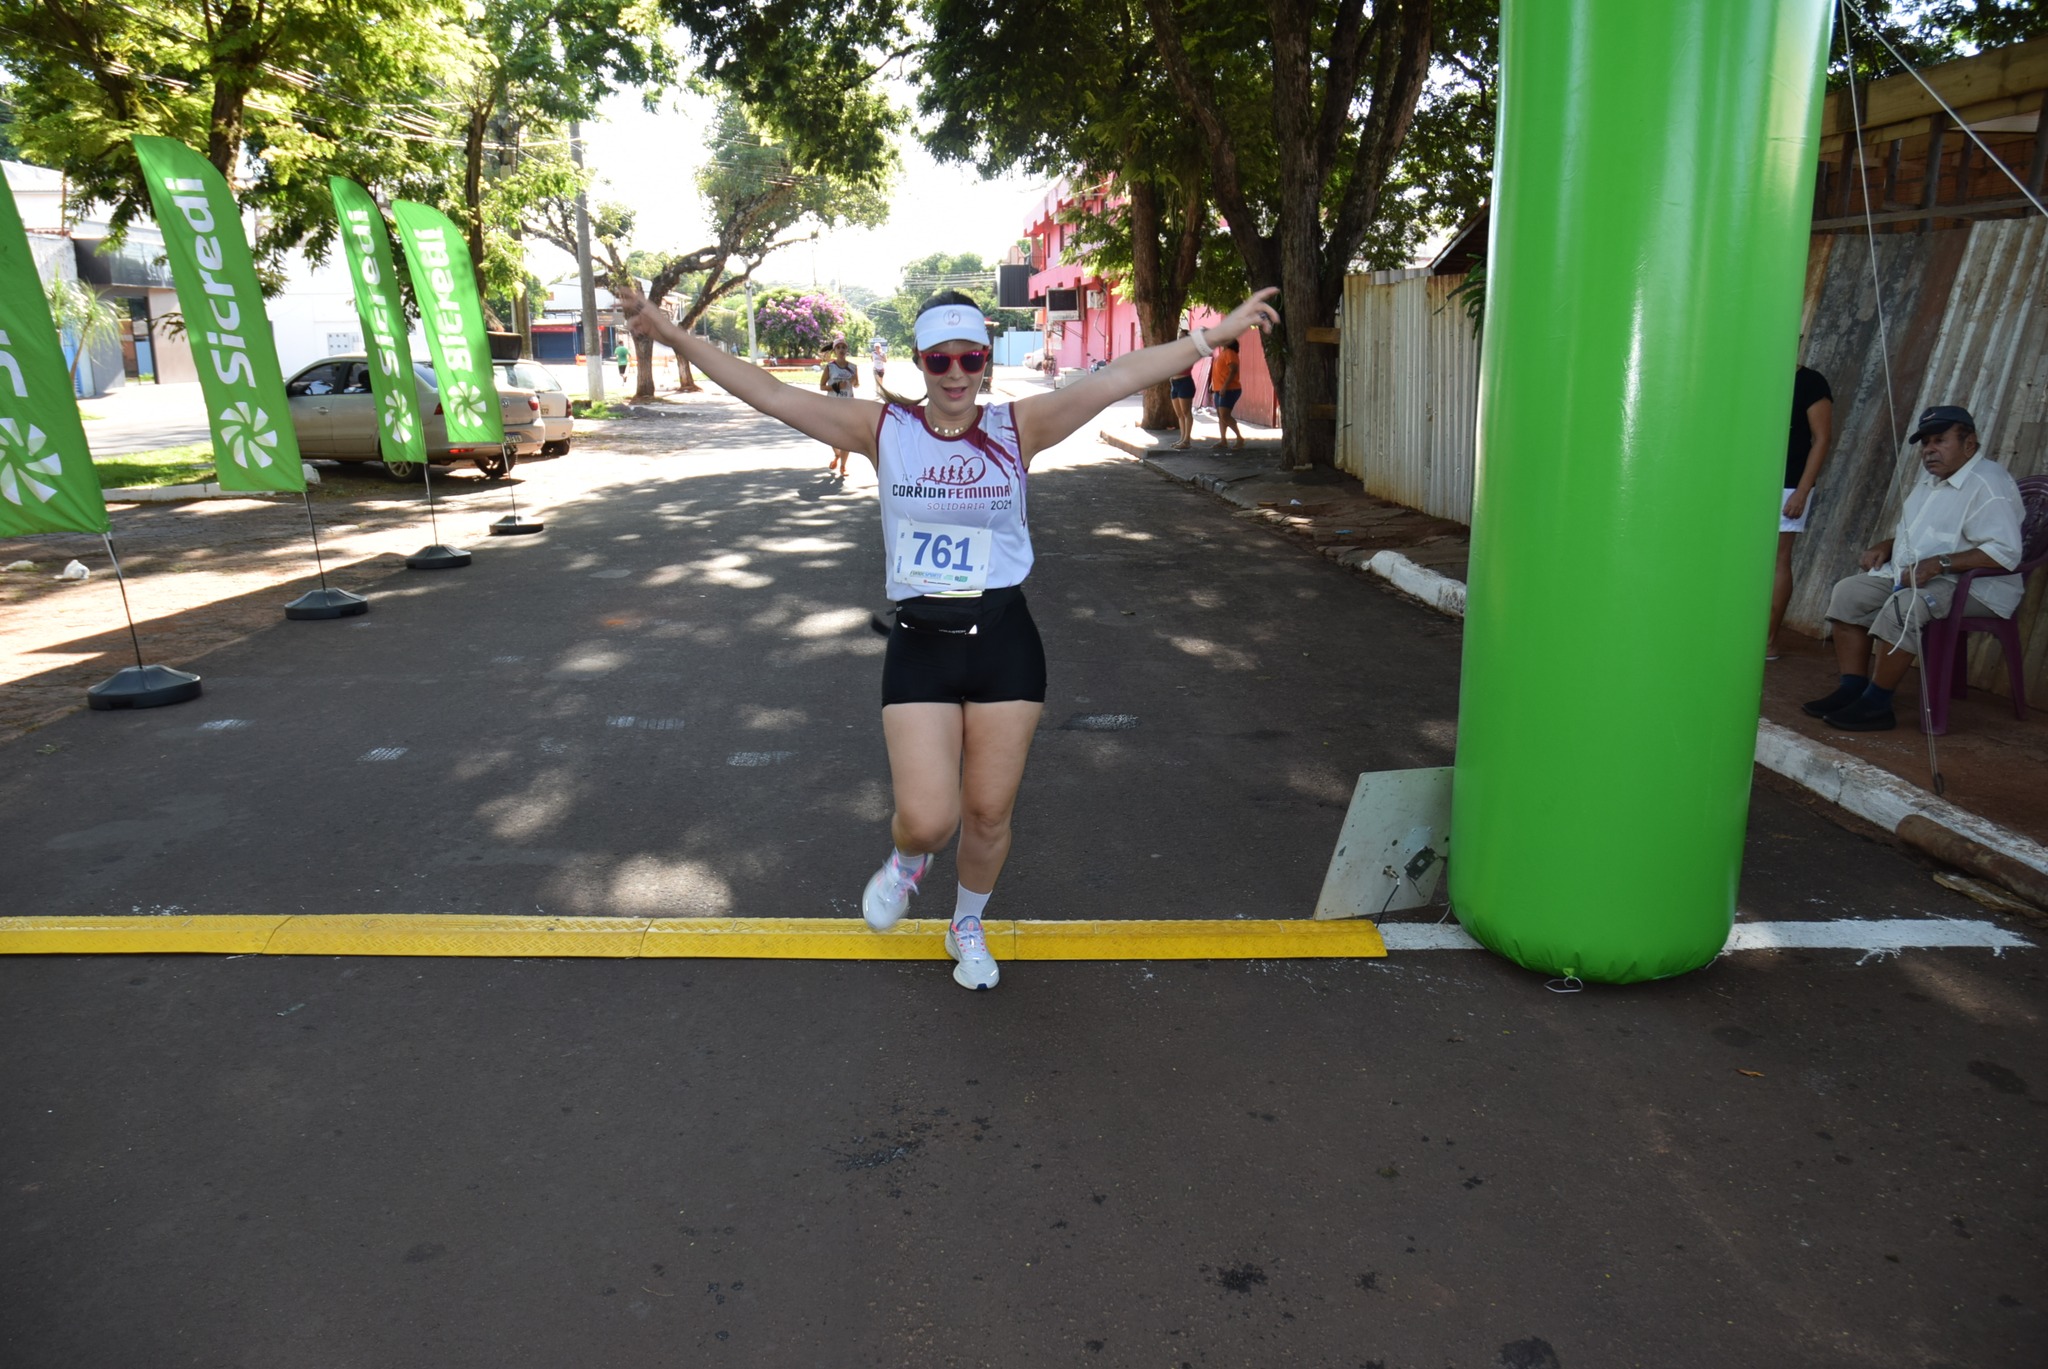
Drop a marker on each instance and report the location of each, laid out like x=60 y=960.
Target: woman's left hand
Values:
x=1253 y=313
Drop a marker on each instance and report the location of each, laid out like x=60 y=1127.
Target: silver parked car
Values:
x=526 y=374
x=335 y=416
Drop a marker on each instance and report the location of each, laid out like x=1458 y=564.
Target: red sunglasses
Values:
x=938 y=363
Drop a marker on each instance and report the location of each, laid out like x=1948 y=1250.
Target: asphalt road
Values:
x=139 y=417
x=666 y=704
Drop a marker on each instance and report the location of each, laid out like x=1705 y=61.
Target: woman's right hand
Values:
x=641 y=317
x=1253 y=313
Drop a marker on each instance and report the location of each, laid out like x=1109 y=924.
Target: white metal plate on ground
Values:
x=1390 y=853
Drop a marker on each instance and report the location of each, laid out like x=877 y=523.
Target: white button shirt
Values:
x=1976 y=509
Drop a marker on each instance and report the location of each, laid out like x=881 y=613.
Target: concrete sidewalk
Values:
x=1994 y=819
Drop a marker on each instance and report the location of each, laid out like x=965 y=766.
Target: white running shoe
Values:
x=966 y=943
x=887 y=897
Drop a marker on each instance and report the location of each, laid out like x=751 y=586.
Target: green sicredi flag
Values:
x=452 y=315
x=367 y=248
x=254 y=445
x=47 y=483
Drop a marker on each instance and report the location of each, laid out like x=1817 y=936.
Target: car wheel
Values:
x=499 y=466
x=556 y=448
x=404 y=471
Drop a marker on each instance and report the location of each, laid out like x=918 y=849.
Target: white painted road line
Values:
x=1869 y=938
x=1891 y=934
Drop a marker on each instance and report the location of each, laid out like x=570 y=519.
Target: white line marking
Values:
x=224 y=725
x=758 y=757
x=645 y=724
x=1873 y=938
x=1886 y=937
x=383 y=753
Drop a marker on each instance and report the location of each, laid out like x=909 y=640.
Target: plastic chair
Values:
x=1947 y=639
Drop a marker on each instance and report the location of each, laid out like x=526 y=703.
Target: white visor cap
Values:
x=950 y=323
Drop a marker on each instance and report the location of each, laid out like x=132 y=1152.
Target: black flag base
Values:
x=512 y=525
x=436 y=557
x=143 y=686
x=326 y=603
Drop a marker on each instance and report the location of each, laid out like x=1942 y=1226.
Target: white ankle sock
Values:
x=967 y=903
x=909 y=865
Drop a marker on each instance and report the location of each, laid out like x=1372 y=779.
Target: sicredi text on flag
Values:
x=190 y=198
x=383 y=330
x=446 y=313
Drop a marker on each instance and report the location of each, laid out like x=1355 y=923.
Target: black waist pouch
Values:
x=937 y=613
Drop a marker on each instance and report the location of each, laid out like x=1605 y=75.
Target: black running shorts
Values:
x=1000 y=661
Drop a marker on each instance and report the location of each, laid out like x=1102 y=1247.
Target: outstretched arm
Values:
x=849 y=427
x=1043 y=420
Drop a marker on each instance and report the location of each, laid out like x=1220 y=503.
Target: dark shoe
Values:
x=1862 y=718
x=1833 y=703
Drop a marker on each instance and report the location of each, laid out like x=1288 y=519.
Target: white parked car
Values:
x=554 y=401
x=335 y=417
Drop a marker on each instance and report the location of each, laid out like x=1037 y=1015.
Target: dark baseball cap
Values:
x=1940 y=419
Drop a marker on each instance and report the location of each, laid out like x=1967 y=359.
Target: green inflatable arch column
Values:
x=1653 y=189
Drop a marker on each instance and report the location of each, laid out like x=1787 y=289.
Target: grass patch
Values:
x=191 y=464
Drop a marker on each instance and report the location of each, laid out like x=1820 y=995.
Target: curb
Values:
x=1920 y=819
x=170 y=494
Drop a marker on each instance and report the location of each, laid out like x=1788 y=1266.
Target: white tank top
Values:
x=953 y=513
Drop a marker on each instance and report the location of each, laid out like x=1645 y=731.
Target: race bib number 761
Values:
x=940 y=558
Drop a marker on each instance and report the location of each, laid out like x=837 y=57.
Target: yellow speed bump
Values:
x=126 y=935
x=793 y=938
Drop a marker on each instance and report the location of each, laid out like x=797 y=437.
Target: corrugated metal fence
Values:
x=1408 y=391
x=1966 y=313
x=1966 y=316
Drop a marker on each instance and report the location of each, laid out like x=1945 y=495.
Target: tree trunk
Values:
x=643 y=380
x=1157 y=292
x=473 y=188
x=522 y=320
x=232 y=81
x=1304 y=372
x=686 y=379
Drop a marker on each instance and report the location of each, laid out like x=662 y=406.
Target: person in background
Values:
x=1963 y=513
x=1813 y=428
x=1182 y=392
x=878 y=353
x=837 y=377
x=1226 y=387
x=621 y=355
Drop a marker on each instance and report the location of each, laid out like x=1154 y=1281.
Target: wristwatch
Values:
x=1942 y=561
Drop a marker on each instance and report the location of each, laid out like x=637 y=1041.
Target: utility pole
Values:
x=594 y=366
x=753 y=345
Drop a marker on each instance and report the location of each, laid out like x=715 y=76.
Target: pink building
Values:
x=1083 y=319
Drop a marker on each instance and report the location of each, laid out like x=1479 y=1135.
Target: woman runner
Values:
x=963 y=680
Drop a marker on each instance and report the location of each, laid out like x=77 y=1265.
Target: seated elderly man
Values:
x=1963 y=514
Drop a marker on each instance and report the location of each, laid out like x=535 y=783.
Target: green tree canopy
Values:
x=1073 y=90
x=279 y=96
x=757 y=199
x=895 y=316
